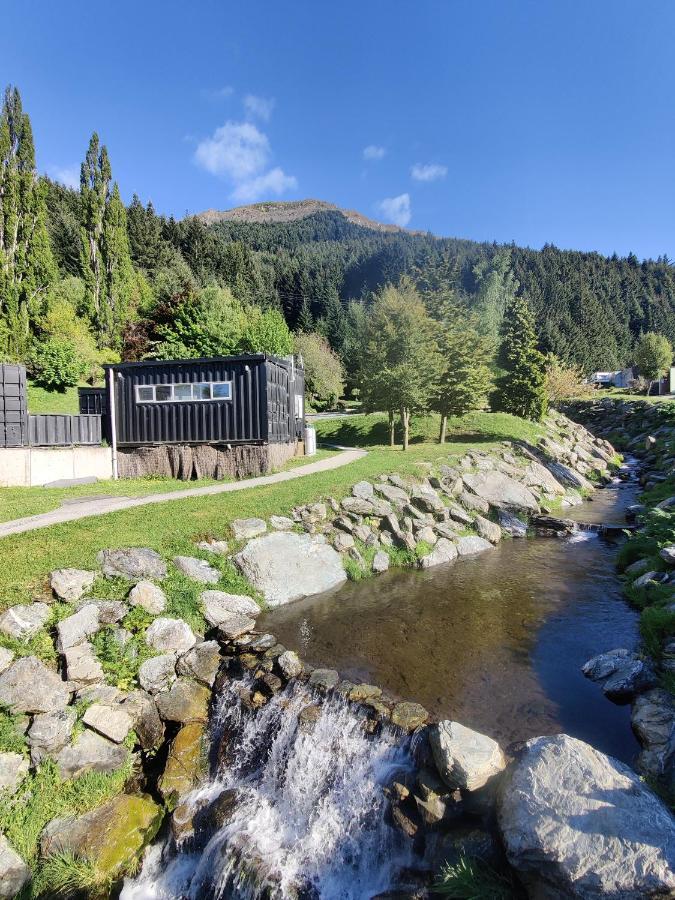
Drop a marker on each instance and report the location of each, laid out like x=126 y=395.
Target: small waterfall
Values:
x=308 y=814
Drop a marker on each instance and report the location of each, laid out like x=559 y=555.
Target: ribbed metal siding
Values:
x=13 y=406
x=279 y=400
x=243 y=419
x=63 y=431
x=92 y=401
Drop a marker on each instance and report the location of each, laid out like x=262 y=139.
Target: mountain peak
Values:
x=282 y=211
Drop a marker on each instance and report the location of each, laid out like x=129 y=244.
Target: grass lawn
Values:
x=42 y=401
x=16 y=503
x=172 y=528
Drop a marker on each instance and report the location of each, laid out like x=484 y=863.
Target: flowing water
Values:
x=495 y=642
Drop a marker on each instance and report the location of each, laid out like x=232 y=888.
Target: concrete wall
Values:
x=33 y=466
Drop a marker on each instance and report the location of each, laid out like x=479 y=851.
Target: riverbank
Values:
x=129 y=669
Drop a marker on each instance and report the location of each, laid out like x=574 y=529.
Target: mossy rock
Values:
x=110 y=837
x=185 y=765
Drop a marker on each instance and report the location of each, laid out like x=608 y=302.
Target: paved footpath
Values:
x=81 y=509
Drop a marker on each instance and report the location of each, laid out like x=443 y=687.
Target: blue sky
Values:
x=507 y=120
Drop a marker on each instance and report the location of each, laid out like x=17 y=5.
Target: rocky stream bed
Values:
x=265 y=776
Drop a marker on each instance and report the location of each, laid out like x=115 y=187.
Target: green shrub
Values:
x=473 y=879
x=656 y=625
x=55 y=365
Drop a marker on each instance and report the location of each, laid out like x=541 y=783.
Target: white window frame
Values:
x=191 y=385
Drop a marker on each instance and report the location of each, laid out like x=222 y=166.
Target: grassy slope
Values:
x=15 y=503
x=172 y=528
x=42 y=401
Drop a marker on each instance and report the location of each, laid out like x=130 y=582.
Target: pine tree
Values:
x=521 y=390
x=27 y=266
x=119 y=273
x=466 y=380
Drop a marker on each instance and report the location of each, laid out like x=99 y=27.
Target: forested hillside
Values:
x=85 y=280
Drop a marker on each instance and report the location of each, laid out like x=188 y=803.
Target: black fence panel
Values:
x=64 y=431
x=13 y=406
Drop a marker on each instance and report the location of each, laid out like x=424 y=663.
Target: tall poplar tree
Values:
x=27 y=266
x=105 y=258
x=521 y=389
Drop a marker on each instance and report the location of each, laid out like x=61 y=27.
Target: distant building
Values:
x=621 y=378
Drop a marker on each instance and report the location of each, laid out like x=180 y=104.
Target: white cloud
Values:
x=237 y=149
x=258 y=107
x=66 y=175
x=373 y=152
x=241 y=152
x=429 y=172
x=396 y=209
x=275 y=182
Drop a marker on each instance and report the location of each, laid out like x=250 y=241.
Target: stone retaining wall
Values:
x=189 y=462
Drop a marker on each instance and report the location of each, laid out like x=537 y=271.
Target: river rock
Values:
x=170 y=636
x=648 y=578
x=393 y=494
x=605 y=664
x=50 y=732
x=83 y=668
x=90 y=752
x=111 y=837
x=363 y=489
x=244 y=529
x=537 y=475
x=219 y=605
x=158 y=673
x=473 y=502
x=444 y=552
x=134 y=564
x=342 y=541
x=219 y=548
x=197 y=569
x=77 y=628
x=148 y=596
x=653 y=721
x=465 y=758
x=14 y=873
x=630 y=678
x=578 y=824
x=6 y=657
x=459 y=515
x=285 y=566
x=24 y=621
x=184 y=765
x=667 y=554
x=470 y=544
x=109 y=611
x=13 y=770
x=639 y=567
x=501 y=491
x=324 y=679
x=281 y=523
x=511 y=524
x=28 y=686
x=187 y=701
x=567 y=476
x=424 y=497
x=290 y=664
x=235 y=626
x=409 y=716
x=148 y=726
x=201 y=662
x=487 y=529
x=380 y=562
x=113 y=722
x=71 y=584
x=443 y=529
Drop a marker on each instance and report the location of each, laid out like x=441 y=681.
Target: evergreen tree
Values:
x=95 y=178
x=26 y=262
x=521 y=390
x=119 y=274
x=401 y=361
x=496 y=287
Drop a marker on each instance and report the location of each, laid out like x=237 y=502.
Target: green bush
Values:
x=55 y=365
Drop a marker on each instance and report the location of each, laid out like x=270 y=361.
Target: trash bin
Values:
x=310 y=441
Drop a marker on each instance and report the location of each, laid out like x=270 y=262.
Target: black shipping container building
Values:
x=13 y=406
x=233 y=400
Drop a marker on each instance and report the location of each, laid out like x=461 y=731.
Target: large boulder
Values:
x=536 y=475
x=148 y=726
x=465 y=758
x=113 y=722
x=444 y=552
x=185 y=764
x=14 y=873
x=470 y=544
x=111 y=837
x=568 y=476
x=201 y=662
x=501 y=491
x=71 y=584
x=158 y=673
x=50 y=732
x=148 y=596
x=77 y=628
x=578 y=824
x=90 y=752
x=285 y=566
x=187 y=701
x=134 y=564
x=83 y=666
x=28 y=686
x=653 y=721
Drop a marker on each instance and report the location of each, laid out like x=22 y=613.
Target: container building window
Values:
x=184 y=393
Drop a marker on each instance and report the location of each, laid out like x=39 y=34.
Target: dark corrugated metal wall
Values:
x=279 y=401
x=13 y=406
x=63 y=430
x=242 y=419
